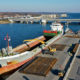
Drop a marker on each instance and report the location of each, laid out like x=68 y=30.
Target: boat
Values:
x=25 y=52
x=18 y=56
x=56 y=28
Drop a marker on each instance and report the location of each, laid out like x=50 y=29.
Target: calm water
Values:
x=20 y=32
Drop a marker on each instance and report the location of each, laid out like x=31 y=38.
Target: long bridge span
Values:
x=67 y=20
x=40 y=19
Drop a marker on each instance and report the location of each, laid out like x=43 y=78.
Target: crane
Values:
x=35 y=40
x=42 y=42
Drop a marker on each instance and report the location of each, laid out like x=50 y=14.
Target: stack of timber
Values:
x=75 y=48
x=74 y=36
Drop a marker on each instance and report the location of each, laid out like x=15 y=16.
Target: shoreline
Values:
x=4 y=21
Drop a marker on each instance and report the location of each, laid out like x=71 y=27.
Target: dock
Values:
x=59 y=62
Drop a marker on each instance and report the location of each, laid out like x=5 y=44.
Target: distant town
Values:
x=21 y=14
x=6 y=16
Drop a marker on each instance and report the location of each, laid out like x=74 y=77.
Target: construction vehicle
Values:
x=51 y=50
x=42 y=42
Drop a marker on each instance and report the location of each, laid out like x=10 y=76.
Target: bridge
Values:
x=66 y=20
x=38 y=19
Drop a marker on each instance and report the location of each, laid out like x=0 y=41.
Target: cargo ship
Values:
x=25 y=52
x=56 y=28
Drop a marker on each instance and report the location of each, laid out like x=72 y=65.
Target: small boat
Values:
x=56 y=28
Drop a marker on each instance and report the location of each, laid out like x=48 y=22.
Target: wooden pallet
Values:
x=75 y=48
x=41 y=66
x=74 y=36
x=59 y=47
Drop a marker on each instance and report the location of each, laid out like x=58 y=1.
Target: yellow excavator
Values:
x=42 y=42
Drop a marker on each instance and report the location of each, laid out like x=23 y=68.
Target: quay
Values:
x=64 y=54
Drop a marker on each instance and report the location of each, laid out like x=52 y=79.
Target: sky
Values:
x=40 y=6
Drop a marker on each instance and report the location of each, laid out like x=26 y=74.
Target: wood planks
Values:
x=74 y=36
x=75 y=48
x=41 y=66
x=59 y=47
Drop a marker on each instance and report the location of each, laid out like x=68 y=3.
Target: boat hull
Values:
x=11 y=67
x=49 y=33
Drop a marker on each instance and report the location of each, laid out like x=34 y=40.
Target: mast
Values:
x=7 y=38
x=8 y=41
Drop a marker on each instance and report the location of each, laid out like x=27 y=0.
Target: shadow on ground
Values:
x=55 y=72
x=25 y=78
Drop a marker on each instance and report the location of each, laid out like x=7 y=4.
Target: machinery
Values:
x=51 y=50
x=61 y=73
x=42 y=42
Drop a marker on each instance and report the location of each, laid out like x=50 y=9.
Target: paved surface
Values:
x=62 y=56
x=75 y=70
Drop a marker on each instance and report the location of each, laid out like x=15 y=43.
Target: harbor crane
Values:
x=42 y=42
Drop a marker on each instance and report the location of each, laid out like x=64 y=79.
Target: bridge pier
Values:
x=31 y=22
x=27 y=22
x=43 y=21
x=11 y=20
x=21 y=21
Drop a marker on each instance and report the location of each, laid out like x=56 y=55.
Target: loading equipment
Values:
x=44 y=43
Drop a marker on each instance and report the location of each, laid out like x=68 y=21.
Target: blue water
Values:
x=73 y=15
x=20 y=32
